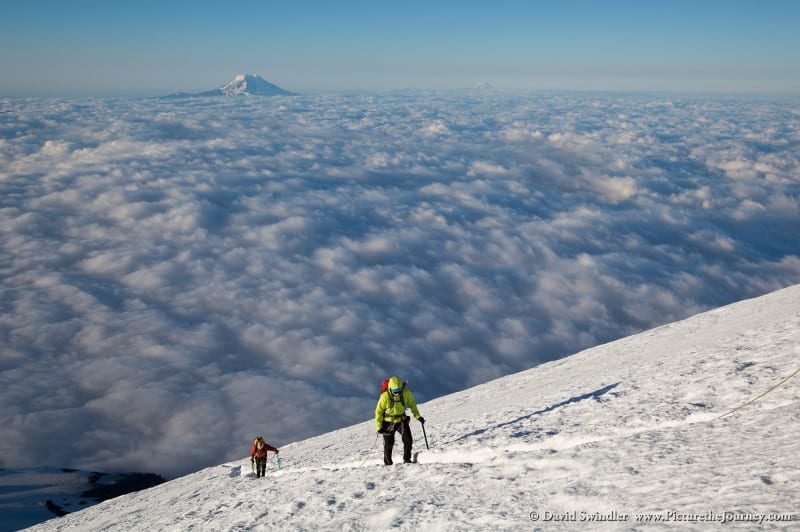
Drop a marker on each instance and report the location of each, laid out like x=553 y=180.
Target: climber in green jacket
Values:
x=390 y=417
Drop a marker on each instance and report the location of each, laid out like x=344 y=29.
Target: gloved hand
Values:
x=421 y=420
x=276 y=451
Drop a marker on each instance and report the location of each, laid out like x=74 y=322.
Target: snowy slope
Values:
x=625 y=431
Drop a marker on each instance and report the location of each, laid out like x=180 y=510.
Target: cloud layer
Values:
x=180 y=275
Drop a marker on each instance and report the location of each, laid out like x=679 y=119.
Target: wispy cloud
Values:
x=202 y=270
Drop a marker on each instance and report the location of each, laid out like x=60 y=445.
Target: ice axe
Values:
x=425 y=435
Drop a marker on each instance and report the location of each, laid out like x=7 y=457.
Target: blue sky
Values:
x=101 y=47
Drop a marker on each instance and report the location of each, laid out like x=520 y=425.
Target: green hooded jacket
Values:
x=394 y=410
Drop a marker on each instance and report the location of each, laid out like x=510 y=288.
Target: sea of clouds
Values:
x=179 y=275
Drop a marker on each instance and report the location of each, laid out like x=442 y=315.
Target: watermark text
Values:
x=668 y=516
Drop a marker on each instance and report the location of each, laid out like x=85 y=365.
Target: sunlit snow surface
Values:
x=622 y=436
x=178 y=275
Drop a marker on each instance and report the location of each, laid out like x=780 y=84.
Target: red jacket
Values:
x=255 y=452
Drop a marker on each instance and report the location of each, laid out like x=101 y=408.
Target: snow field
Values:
x=611 y=438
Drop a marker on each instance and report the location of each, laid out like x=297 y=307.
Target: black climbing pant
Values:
x=388 y=430
x=261 y=466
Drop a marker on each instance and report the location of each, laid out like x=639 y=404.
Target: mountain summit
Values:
x=241 y=85
x=250 y=84
x=483 y=86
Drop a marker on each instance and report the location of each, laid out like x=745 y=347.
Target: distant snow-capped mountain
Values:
x=483 y=86
x=242 y=85
x=249 y=84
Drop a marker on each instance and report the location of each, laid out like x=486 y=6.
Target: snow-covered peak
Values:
x=241 y=85
x=251 y=84
x=483 y=86
x=669 y=426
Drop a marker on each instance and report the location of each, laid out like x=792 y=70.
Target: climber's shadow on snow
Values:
x=596 y=395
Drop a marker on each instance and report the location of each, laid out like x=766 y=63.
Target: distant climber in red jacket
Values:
x=258 y=455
